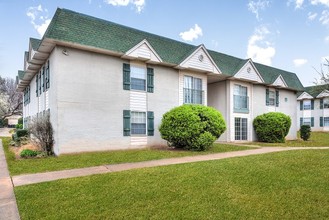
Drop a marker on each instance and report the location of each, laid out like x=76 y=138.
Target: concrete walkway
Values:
x=4 y=132
x=8 y=207
x=64 y=174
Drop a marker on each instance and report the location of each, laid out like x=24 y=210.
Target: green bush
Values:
x=28 y=153
x=19 y=126
x=5 y=122
x=193 y=127
x=272 y=127
x=20 y=121
x=305 y=132
x=21 y=132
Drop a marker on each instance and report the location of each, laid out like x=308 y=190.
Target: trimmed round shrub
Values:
x=272 y=127
x=305 y=132
x=192 y=127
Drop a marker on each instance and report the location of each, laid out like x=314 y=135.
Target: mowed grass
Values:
x=71 y=161
x=318 y=139
x=285 y=185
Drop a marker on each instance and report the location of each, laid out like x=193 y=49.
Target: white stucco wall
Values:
x=287 y=107
x=217 y=98
x=90 y=101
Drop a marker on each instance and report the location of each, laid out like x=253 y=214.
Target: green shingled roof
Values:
x=69 y=26
x=315 y=90
x=35 y=43
x=21 y=74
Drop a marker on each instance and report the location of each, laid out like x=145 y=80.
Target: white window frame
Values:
x=138 y=117
x=192 y=90
x=307 y=121
x=138 y=73
x=240 y=124
x=325 y=121
x=271 y=98
x=307 y=105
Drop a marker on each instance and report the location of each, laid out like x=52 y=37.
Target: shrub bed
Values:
x=272 y=127
x=192 y=127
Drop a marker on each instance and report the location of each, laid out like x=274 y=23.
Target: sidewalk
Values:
x=64 y=174
x=8 y=207
x=4 y=132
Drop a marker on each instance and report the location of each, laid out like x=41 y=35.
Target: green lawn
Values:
x=318 y=139
x=285 y=185
x=71 y=161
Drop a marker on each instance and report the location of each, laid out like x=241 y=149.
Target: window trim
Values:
x=193 y=95
x=236 y=109
x=131 y=123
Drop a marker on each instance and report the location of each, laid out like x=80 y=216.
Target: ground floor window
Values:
x=138 y=122
x=241 y=128
x=326 y=121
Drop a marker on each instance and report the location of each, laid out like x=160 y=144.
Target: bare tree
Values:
x=41 y=132
x=11 y=101
x=324 y=74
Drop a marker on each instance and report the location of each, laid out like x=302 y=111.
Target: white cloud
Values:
x=193 y=33
x=259 y=49
x=299 y=4
x=318 y=2
x=326 y=39
x=139 y=4
x=324 y=19
x=299 y=62
x=311 y=16
x=256 y=6
x=39 y=18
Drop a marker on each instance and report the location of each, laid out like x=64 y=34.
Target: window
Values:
x=324 y=103
x=307 y=104
x=138 y=123
x=47 y=76
x=137 y=78
x=241 y=128
x=326 y=121
x=271 y=98
x=27 y=95
x=193 y=93
x=240 y=99
x=307 y=121
x=135 y=123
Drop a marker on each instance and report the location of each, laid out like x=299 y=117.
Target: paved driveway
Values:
x=4 y=132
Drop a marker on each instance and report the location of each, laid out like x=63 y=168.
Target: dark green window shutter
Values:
x=301 y=104
x=36 y=85
x=312 y=122
x=277 y=98
x=126 y=122
x=321 y=121
x=43 y=79
x=150 y=123
x=312 y=104
x=150 y=80
x=126 y=76
x=321 y=103
x=40 y=91
x=301 y=121
x=267 y=97
x=47 y=76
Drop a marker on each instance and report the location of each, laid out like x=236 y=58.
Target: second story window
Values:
x=307 y=105
x=193 y=93
x=240 y=99
x=138 y=78
x=324 y=103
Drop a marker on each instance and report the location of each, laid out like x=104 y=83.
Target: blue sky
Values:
x=288 y=34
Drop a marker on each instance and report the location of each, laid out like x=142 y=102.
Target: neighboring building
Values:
x=107 y=86
x=313 y=107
